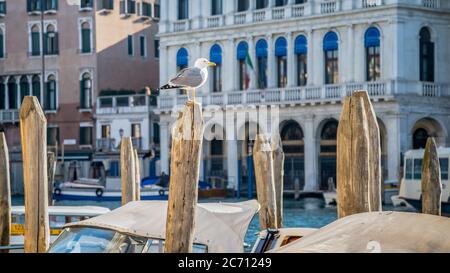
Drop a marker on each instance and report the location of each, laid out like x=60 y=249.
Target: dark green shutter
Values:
x=47 y=96
x=111 y=4
x=142 y=46
x=55 y=4
x=86 y=41
x=82 y=95
x=2 y=50
x=81 y=136
x=35 y=48
x=46 y=38
x=28 y=5
x=130 y=45
x=56 y=44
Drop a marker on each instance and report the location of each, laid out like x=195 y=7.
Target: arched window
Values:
x=35 y=41
x=328 y=149
x=50 y=93
x=51 y=41
x=182 y=58
x=280 y=3
x=2 y=94
x=330 y=48
x=261 y=4
x=301 y=50
x=420 y=138
x=242 y=5
x=183 y=9
x=2 y=41
x=216 y=57
x=86 y=91
x=12 y=93
x=426 y=56
x=372 y=43
x=24 y=88
x=36 y=87
x=292 y=138
x=261 y=56
x=216 y=7
x=85 y=38
x=281 y=54
x=242 y=57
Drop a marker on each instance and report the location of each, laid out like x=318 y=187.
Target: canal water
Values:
x=309 y=213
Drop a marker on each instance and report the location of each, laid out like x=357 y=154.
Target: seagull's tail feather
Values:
x=170 y=86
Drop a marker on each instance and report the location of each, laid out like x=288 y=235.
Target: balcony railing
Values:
x=122 y=104
x=278 y=13
x=214 y=21
x=182 y=25
x=9 y=116
x=106 y=144
x=311 y=94
x=328 y=7
x=240 y=18
x=433 y=4
x=298 y=10
x=371 y=3
x=259 y=16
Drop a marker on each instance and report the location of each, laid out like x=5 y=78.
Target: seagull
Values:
x=190 y=78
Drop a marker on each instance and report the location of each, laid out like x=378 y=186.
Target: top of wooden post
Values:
x=31 y=104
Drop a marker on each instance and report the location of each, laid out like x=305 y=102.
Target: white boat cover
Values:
x=89 y=211
x=220 y=226
x=385 y=232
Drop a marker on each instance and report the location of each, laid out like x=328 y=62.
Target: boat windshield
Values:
x=93 y=240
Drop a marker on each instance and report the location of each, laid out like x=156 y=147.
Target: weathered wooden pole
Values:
x=33 y=131
x=5 y=194
x=353 y=160
x=187 y=138
x=128 y=171
x=265 y=185
x=51 y=168
x=431 y=180
x=137 y=170
x=375 y=183
x=278 y=174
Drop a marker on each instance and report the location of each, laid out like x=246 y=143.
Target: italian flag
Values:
x=249 y=68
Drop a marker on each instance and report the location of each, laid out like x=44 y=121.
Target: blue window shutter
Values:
x=182 y=57
x=242 y=51
x=372 y=37
x=330 y=42
x=281 y=47
x=261 y=49
x=216 y=54
x=301 y=45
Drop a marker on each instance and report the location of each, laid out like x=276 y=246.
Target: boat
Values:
x=411 y=185
x=377 y=232
x=139 y=227
x=58 y=217
x=330 y=198
x=275 y=238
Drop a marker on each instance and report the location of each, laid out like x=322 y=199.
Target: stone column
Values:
x=165 y=151
x=30 y=85
x=164 y=23
x=163 y=55
x=310 y=57
x=350 y=75
x=291 y=60
x=271 y=59
x=229 y=71
x=232 y=164
x=393 y=146
x=311 y=154
x=252 y=53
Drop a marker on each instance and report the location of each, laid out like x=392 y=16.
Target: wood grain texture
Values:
x=33 y=130
x=128 y=171
x=278 y=173
x=5 y=194
x=265 y=185
x=353 y=159
x=137 y=175
x=51 y=169
x=187 y=137
x=431 y=180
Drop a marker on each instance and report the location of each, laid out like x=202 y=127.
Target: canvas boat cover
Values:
x=220 y=226
x=385 y=232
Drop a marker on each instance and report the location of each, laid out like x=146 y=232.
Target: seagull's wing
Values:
x=188 y=77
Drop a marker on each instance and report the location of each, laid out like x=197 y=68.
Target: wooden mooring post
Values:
x=278 y=174
x=128 y=171
x=265 y=185
x=51 y=169
x=431 y=180
x=137 y=169
x=187 y=138
x=5 y=194
x=33 y=131
x=358 y=157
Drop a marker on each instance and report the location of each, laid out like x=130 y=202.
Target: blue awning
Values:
x=261 y=48
x=330 y=42
x=182 y=57
x=372 y=37
x=215 y=54
x=281 y=47
x=301 y=45
x=242 y=50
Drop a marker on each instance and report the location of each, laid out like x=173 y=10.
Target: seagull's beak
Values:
x=212 y=64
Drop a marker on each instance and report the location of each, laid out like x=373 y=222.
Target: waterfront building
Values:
x=90 y=47
x=306 y=56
